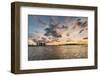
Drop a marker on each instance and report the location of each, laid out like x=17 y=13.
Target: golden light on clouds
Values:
x=58 y=30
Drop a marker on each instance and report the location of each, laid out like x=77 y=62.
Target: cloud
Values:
x=55 y=29
x=72 y=28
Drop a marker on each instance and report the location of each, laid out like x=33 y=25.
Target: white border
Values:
x=25 y=64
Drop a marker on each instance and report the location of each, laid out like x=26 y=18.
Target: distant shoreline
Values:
x=55 y=45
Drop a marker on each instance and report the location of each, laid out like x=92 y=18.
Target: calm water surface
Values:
x=57 y=52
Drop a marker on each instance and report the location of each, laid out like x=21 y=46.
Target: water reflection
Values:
x=57 y=52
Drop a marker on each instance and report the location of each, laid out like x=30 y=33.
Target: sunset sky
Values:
x=57 y=29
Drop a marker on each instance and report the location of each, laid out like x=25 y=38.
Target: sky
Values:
x=57 y=28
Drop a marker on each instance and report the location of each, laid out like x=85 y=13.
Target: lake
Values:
x=57 y=52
